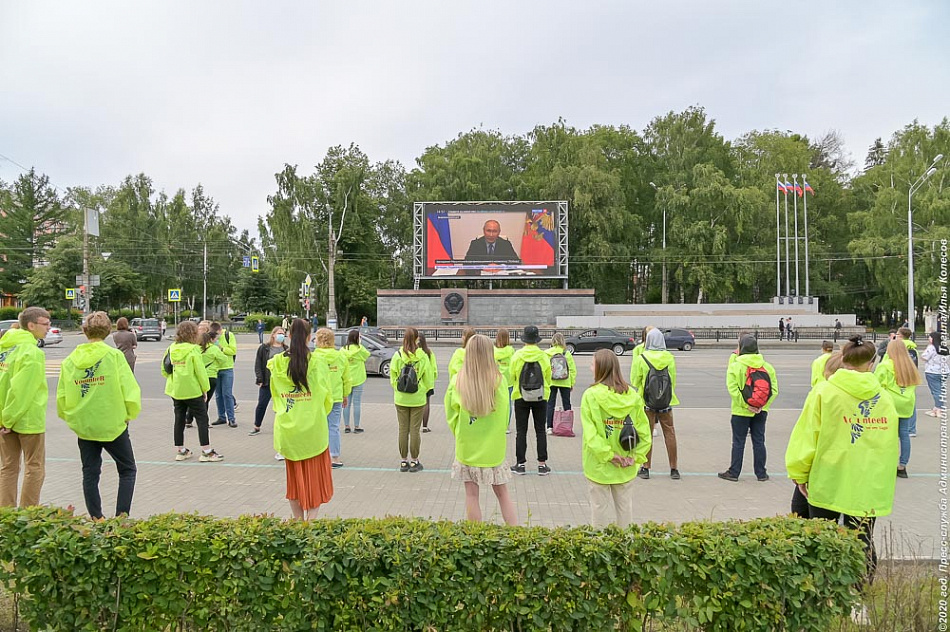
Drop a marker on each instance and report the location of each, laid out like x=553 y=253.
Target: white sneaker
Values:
x=859 y=615
x=183 y=455
x=210 y=457
x=550 y=431
x=656 y=431
x=279 y=456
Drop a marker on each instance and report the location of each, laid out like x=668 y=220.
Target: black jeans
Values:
x=800 y=504
x=263 y=399
x=211 y=383
x=536 y=410
x=197 y=407
x=741 y=428
x=552 y=402
x=90 y=453
x=865 y=526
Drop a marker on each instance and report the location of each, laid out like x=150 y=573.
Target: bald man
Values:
x=490 y=247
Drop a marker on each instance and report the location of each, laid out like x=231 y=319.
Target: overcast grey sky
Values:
x=224 y=93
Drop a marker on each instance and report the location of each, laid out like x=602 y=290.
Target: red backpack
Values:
x=758 y=387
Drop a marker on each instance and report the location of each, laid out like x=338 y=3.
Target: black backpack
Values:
x=657 y=388
x=628 y=435
x=408 y=380
x=531 y=382
x=227 y=338
x=167 y=362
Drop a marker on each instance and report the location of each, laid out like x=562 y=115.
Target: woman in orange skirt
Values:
x=301 y=396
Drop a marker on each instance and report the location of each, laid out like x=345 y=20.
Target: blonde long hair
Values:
x=479 y=377
x=905 y=373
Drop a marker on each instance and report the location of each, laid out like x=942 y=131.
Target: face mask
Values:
x=279 y=338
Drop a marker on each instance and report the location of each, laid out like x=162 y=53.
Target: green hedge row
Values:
x=175 y=572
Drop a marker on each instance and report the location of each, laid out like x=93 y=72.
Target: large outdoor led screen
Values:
x=491 y=239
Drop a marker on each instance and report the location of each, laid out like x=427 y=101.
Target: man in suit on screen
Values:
x=490 y=247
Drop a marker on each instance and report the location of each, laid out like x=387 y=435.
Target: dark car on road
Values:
x=146 y=329
x=594 y=339
x=681 y=339
x=380 y=353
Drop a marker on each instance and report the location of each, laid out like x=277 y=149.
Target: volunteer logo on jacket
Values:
x=292 y=396
x=89 y=379
x=863 y=420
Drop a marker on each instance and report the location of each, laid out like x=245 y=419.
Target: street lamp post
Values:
x=911 y=313
x=663 y=292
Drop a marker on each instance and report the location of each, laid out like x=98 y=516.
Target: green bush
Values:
x=269 y=322
x=9 y=313
x=261 y=573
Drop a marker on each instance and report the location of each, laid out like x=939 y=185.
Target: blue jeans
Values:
x=903 y=433
x=223 y=396
x=333 y=418
x=741 y=428
x=935 y=382
x=354 y=403
x=912 y=422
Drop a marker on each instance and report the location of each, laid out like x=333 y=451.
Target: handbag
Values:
x=563 y=423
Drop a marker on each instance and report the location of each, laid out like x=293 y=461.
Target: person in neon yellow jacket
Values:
x=503 y=353
x=213 y=360
x=537 y=409
x=746 y=419
x=302 y=397
x=656 y=354
x=187 y=384
x=476 y=405
x=458 y=356
x=410 y=405
x=340 y=386
x=898 y=375
x=843 y=450
x=97 y=396
x=356 y=355
x=432 y=376
x=23 y=398
x=609 y=468
x=224 y=391
x=563 y=385
x=818 y=364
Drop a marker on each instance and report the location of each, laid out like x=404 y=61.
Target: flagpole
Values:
x=795 y=201
x=805 y=202
x=778 y=243
x=787 y=274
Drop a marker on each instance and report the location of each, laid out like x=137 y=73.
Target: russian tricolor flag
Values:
x=438 y=238
x=781 y=187
x=538 y=242
x=808 y=187
x=789 y=188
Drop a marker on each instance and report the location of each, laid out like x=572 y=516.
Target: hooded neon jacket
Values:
x=455 y=362
x=188 y=378
x=845 y=446
x=433 y=373
x=571 y=367
x=339 y=368
x=905 y=397
x=300 y=417
x=659 y=359
x=818 y=368
x=479 y=441
x=97 y=394
x=503 y=358
x=735 y=380
x=529 y=353
x=602 y=415
x=423 y=368
x=214 y=360
x=23 y=388
x=228 y=343
x=356 y=356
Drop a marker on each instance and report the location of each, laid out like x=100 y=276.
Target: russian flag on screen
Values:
x=438 y=238
x=537 y=244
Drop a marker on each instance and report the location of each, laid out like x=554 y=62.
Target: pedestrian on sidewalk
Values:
x=212 y=359
x=23 y=398
x=301 y=393
x=936 y=370
x=125 y=341
x=275 y=345
x=186 y=382
x=430 y=381
x=752 y=386
x=845 y=471
x=503 y=352
x=356 y=355
x=563 y=377
x=531 y=387
x=900 y=378
x=97 y=396
x=455 y=362
x=224 y=395
x=818 y=364
x=408 y=374
x=259 y=327
x=653 y=375
x=609 y=467
x=340 y=387
x=781 y=328
x=476 y=409
x=163 y=326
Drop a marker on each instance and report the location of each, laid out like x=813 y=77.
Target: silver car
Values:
x=146 y=329
x=54 y=335
x=380 y=353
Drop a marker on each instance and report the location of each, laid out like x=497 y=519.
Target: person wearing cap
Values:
x=524 y=364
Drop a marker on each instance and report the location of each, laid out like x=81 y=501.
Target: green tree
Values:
x=256 y=292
